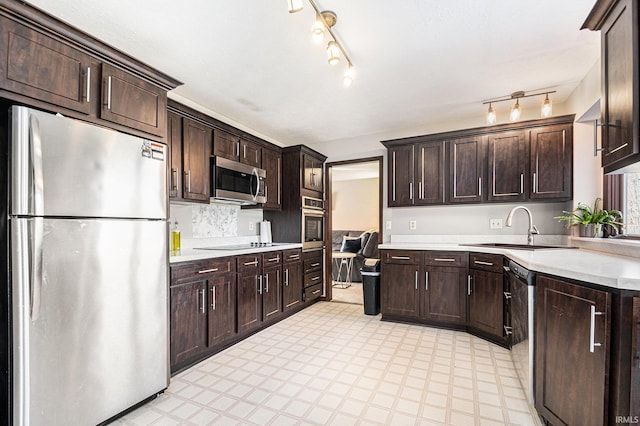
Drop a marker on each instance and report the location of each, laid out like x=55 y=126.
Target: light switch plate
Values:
x=388 y=226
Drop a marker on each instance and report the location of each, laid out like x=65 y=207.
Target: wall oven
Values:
x=232 y=181
x=312 y=223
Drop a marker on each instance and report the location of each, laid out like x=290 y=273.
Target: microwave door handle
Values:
x=255 y=173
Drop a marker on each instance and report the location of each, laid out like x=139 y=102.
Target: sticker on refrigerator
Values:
x=153 y=150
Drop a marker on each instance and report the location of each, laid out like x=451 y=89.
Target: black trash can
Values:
x=371 y=286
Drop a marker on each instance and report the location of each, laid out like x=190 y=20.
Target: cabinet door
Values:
x=271 y=293
x=400 y=179
x=312 y=173
x=551 y=162
x=188 y=320
x=222 y=308
x=444 y=298
x=508 y=160
x=196 y=146
x=572 y=346
x=40 y=67
x=399 y=290
x=249 y=301
x=292 y=285
x=250 y=153
x=272 y=163
x=466 y=169
x=226 y=145
x=133 y=102
x=174 y=140
x=429 y=173
x=620 y=82
x=485 y=293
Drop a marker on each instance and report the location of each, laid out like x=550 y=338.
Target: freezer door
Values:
x=64 y=167
x=89 y=317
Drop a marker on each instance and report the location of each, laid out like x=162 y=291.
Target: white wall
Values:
x=355 y=204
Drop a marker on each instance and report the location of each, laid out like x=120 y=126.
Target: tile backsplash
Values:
x=214 y=220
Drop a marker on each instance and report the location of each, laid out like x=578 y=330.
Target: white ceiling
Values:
x=417 y=61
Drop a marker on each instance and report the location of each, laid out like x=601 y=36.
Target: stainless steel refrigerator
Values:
x=85 y=295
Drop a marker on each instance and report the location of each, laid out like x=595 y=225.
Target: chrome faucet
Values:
x=532 y=228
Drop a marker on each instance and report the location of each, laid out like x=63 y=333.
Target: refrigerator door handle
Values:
x=35 y=158
x=36 y=268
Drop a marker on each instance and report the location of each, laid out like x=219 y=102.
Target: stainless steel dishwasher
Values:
x=520 y=333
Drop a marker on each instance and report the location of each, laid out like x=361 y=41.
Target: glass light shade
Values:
x=317 y=31
x=349 y=75
x=515 y=112
x=547 y=108
x=295 y=5
x=333 y=53
x=491 y=115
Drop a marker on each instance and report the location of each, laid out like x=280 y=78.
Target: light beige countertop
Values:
x=190 y=254
x=596 y=267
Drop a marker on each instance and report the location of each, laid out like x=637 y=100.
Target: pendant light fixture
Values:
x=516 y=110
x=295 y=5
x=547 y=108
x=325 y=20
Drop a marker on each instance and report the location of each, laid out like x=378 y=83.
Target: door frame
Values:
x=328 y=228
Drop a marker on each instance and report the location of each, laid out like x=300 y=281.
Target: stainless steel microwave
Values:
x=232 y=181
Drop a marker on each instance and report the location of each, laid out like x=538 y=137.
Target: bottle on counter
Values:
x=175 y=237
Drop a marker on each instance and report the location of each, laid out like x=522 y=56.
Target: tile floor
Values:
x=351 y=294
x=332 y=365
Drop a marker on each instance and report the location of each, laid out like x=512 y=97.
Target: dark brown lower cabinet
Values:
x=222 y=308
x=572 y=349
x=399 y=288
x=486 y=295
x=292 y=279
x=443 y=299
x=259 y=289
x=249 y=301
x=188 y=321
x=272 y=293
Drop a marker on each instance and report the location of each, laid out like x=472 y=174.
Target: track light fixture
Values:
x=516 y=111
x=325 y=20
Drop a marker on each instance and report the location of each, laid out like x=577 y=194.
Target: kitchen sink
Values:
x=517 y=246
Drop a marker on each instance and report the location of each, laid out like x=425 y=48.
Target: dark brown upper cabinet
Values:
x=620 y=102
x=467 y=158
x=234 y=148
x=272 y=163
x=551 y=162
x=507 y=160
x=174 y=142
x=531 y=160
x=50 y=65
x=313 y=173
x=196 y=150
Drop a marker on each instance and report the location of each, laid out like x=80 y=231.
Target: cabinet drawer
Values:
x=312 y=293
x=312 y=263
x=293 y=255
x=271 y=258
x=202 y=268
x=312 y=278
x=249 y=262
x=446 y=258
x=401 y=257
x=486 y=262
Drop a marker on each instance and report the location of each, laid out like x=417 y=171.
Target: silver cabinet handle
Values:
x=315 y=278
x=444 y=259
x=480 y=262
x=286 y=277
x=315 y=264
x=507 y=295
x=508 y=330
x=416 y=280
x=426 y=281
x=254 y=263
x=174 y=185
x=411 y=190
x=88 y=84
x=274 y=259
x=420 y=190
x=279 y=188
x=521 y=183
x=592 y=329
x=421 y=184
x=393 y=174
x=315 y=292
x=480 y=186
x=188 y=173
x=535 y=183
x=203 y=301
x=244 y=151
x=109 y=93
x=213 y=298
x=401 y=257
x=266 y=280
x=294 y=257
x=468 y=285
x=206 y=271
x=596 y=150
x=259 y=283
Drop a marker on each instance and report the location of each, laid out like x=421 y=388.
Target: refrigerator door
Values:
x=90 y=319
x=67 y=168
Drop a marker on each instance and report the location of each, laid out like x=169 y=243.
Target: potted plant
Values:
x=590 y=220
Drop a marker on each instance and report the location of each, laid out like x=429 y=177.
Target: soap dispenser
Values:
x=175 y=237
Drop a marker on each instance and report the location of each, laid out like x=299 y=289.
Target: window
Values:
x=632 y=204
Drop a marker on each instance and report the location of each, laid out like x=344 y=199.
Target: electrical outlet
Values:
x=250 y=226
x=495 y=223
x=412 y=224
x=388 y=224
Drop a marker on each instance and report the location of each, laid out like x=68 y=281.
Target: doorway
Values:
x=354 y=205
